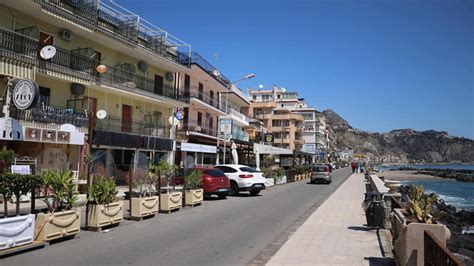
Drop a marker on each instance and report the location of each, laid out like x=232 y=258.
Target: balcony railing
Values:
x=51 y=115
x=18 y=44
x=205 y=97
x=239 y=115
x=118 y=77
x=116 y=124
x=238 y=133
x=117 y=22
x=195 y=58
x=200 y=127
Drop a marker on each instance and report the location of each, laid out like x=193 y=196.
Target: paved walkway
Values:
x=335 y=233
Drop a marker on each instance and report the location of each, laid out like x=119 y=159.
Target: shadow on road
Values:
x=380 y=261
x=359 y=228
x=240 y=195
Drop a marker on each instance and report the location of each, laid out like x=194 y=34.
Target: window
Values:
x=226 y=169
x=248 y=169
x=211 y=95
x=276 y=123
x=200 y=91
x=255 y=97
x=199 y=122
x=215 y=173
x=44 y=96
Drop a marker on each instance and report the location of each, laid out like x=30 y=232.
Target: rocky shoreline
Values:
x=457 y=221
x=458 y=175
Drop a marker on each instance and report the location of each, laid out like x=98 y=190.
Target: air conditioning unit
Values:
x=169 y=76
x=66 y=35
x=143 y=66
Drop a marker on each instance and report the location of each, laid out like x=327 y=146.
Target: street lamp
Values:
x=229 y=87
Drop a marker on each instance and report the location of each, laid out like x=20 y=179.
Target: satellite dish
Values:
x=48 y=52
x=260 y=86
x=101 y=114
x=173 y=121
x=216 y=73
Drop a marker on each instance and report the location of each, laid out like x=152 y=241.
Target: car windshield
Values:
x=321 y=168
x=215 y=173
x=248 y=169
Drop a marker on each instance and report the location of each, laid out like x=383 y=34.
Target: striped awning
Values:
x=15 y=68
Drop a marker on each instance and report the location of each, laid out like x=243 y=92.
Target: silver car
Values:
x=321 y=173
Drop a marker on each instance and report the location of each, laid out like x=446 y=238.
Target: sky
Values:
x=380 y=64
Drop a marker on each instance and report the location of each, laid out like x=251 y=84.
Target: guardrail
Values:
x=436 y=254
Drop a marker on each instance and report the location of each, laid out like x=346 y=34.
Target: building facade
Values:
x=105 y=59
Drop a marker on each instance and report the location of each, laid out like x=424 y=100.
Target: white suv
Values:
x=243 y=178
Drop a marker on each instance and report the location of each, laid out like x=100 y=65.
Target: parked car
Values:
x=214 y=182
x=243 y=178
x=321 y=173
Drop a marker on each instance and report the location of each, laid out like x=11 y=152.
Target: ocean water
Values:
x=453 y=166
x=458 y=194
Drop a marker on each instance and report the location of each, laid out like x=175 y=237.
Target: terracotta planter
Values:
x=103 y=215
x=16 y=231
x=194 y=196
x=142 y=207
x=57 y=225
x=408 y=238
x=171 y=201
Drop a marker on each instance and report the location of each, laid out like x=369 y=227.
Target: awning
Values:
x=14 y=68
x=194 y=147
x=126 y=140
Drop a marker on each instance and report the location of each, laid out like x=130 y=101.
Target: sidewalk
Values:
x=335 y=233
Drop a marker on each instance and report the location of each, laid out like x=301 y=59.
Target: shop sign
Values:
x=268 y=138
x=225 y=126
x=25 y=93
x=21 y=169
x=180 y=115
x=193 y=147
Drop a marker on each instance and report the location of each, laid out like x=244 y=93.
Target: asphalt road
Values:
x=236 y=231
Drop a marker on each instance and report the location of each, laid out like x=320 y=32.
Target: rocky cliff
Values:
x=407 y=145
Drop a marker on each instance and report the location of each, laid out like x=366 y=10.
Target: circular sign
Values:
x=101 y=114
x=180 y=115
x=25 y=93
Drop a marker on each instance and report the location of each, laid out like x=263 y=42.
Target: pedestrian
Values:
x=353 y=165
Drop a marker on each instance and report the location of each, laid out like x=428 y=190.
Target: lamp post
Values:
x=229 y=87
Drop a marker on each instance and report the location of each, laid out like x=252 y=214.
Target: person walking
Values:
x=353 y=165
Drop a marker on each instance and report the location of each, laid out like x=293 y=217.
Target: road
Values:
x=236 y=231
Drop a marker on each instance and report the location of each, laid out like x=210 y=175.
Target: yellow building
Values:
x=138 y=91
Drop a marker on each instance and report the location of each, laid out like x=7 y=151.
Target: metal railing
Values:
x=237 y=133
x=197 y=59
x=200 y=127
x=239 y=115
x=18 y=43
x=117 y=77
x=205 y=97
x=117 y=124
x=436 y=254
x=115 y=21
x=48 y=114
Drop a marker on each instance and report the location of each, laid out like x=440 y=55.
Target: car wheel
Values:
x=254 y=192
x=234 y=189
x=222 y=196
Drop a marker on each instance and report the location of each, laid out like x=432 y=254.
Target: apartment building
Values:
x=276 y=109
x=210 y=91
x=108 y=68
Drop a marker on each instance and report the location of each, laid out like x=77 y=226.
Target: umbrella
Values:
x=235 y=157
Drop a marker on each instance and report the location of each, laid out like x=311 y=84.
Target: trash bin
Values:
x=375 y=214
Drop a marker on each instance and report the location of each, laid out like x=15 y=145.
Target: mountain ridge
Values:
x=401 y=145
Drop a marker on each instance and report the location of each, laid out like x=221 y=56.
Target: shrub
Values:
x=193 y=180
x=146 y=184
x=167 y=170
x=420 y=204
x=102 y=191
x=59 y=190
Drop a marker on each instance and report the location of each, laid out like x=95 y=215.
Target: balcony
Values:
x=239 y=133
x=118 y=23
x=205 y=97
x=239 y=117
x=199 y=127
x=287 y=117
x=195 y=58
x=263 y=104
x=149 y=128
x=118 y=76
x=51 y=115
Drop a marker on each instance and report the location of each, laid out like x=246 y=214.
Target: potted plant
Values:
x=62 y=219
x=171 y=199
x=279 y=176
x=409 y=226
x=269 y=175
x=104 y=208
x=18 y=230
x=194 y=194
x=147 y=202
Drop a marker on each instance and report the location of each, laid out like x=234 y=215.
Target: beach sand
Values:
x=404 y=175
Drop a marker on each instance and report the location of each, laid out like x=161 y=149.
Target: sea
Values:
x=455 y=193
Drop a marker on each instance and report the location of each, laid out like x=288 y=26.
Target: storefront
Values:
x=261 y=149
x=195 y=154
